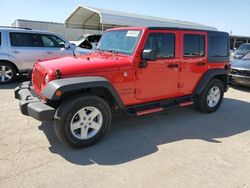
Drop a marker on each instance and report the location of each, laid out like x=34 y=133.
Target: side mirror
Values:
x=66 y=45
x=73 y=45
x=149 y=55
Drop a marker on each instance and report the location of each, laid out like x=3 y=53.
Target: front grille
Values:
x=37 y=78
x=34 y=93
x=240 y=72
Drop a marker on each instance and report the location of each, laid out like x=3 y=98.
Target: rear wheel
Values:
x=7 y=73
x=82 y=121
x=211 y=97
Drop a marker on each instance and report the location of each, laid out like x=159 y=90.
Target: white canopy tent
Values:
x=84 y=17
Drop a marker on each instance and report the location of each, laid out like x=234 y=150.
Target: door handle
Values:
x=201 y=64
x=173 y=65
x=49 y=52
x=15 y=51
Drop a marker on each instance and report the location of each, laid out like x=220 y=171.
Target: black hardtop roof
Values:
x=186 y=29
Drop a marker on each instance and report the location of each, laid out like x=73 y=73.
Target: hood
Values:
x=241 y=64
x=90 y=63
x=81 y=51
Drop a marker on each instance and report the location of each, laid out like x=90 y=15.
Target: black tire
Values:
x=201 y=101
x=8 y=66
x=66 y=112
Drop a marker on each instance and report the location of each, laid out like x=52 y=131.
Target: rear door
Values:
x=159 y=79
x=194 y=60
x=54 y=47
x=26 y=48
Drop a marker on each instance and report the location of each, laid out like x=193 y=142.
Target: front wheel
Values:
x=83 y=121
x=211 y=97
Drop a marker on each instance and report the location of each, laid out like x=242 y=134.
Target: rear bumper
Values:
x=31 y=105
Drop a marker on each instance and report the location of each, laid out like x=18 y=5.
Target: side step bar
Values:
x=186 y=103
x=144 y=109
x=149 y=111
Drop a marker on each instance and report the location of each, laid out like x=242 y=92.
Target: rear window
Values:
x=25 y=40
x=194 y=45
x=218 y=46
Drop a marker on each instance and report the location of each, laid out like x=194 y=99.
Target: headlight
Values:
x=46 y=79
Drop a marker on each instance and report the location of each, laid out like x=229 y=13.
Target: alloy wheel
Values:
x=86 y=123
x=6 y=73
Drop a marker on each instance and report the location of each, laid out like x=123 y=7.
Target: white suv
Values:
x=21 y=48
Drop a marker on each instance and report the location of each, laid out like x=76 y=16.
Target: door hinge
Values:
x=180 y=68
x=180 y=85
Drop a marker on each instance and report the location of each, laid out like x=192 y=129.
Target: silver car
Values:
x=21 y=48
x=240 y=71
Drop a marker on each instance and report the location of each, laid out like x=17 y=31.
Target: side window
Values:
x=194 y=45
x=25 y=40
x=163 y=43
x=218 y=46
x=0 y=39
x=52 y=41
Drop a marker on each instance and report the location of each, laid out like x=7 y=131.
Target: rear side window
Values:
x=163 y=43
x=25 y=40
x=194 y=45
x=218 y=46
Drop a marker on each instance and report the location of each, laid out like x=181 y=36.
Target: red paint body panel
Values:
x=135 y=85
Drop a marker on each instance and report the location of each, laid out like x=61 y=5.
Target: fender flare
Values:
x=78 y=83
x=208 y=76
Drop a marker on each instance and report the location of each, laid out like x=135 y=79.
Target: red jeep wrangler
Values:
x=138 y=70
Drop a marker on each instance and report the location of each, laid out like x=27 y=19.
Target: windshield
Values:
x=246 y=57
x=245 y=47
x=120 y=41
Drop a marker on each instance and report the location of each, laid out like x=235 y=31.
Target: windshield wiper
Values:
x=99 y=50
x=112 y=51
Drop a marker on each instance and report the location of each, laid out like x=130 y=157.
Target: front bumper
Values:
x=31 y=105
x=239 y=79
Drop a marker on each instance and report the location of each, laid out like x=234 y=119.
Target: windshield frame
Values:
x=138 y=38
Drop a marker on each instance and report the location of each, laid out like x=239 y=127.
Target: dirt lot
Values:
x=180 y=148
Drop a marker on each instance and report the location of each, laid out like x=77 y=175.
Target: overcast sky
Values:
x=226 y=15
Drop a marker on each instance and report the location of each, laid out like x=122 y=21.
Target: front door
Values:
x=54 y=47
x=159 y=79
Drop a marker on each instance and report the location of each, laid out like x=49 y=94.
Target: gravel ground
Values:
x=179 y=148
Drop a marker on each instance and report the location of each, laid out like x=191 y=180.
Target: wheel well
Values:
x=222 y=78
x=105 y=94
x=11 y=64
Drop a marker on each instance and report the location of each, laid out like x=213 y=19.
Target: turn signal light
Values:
x=58 y=93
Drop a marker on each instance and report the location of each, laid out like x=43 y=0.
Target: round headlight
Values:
x=46 y=79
